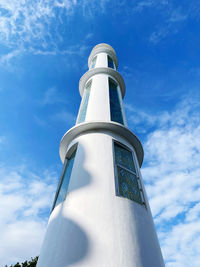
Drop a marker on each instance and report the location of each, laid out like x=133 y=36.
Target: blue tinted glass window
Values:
x=124 y=158
x=111 y=63
x=127 y=180
x=93 y=62
x=84 y=103
x=128 y=185
x=65 y=180
x=115 y=107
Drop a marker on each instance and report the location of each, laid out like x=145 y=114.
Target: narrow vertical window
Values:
x=127 y=184
x=65 y=177
x=111 y=63
x=115 y=106
x=93 y=62
x=84 y=102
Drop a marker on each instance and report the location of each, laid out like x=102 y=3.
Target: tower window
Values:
x=64 y=181
x=84 y=103
x=93 y=62
x=115 y=106
x=111 y=63
x=127 y=180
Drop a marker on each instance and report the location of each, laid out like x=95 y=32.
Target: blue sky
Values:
x=44 y=47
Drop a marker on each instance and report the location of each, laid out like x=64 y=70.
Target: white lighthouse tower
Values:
x=101 y=216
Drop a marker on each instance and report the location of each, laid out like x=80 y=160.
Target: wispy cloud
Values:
x=7 y=58
x=2 y=139
x=141 y=5
x=173 y=18
x=143 y=121
x=29 y=24
x=20 y=21
x=186 y=113
x=64 y=116
x=67 y=4
x=172 y=175
x=177 y=16
x=39 y=120
x=77 y=49
x=36 y=27
x=159 y=34
x=24 y=209
x=52 y=96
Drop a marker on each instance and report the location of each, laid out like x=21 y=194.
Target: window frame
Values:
x=93 y=62
x=109 y=58
x=137 y=174
x=69 y=153
x=88 y=84
x=111 y=80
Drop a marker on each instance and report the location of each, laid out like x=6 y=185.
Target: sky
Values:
x=44 y=47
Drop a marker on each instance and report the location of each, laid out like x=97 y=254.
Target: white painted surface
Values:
x=93 y=227
x=101 y=60
x=99 y=105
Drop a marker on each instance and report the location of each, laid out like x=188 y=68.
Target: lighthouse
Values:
x=100 y=215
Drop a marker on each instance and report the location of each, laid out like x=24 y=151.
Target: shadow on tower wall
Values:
x=66 y=242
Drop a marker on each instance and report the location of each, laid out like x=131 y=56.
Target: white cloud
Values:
x=172 y=17
x=77 y=49
x=141 y=5
x=194 y=213
x=24 y=210
x=159 y=34
x=36 y=27
x=181 y=245
x=172 y=176
x=5 y=59
x=65 y=116
x=52 y=96
x=66 y=4
x=177 y=16
x=2 y=139
x=29 y=24
x=39 y=120
x=138 y=117
x=21 y=20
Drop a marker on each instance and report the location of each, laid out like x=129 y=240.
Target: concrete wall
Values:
x=99 y=105
x=93 y=226
x=101 y=60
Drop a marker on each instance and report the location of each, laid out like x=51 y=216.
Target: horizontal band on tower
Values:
x=103 y=48
x=113 y=73
x=95 y=126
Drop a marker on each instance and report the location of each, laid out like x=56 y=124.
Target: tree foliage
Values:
x=31 y=263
